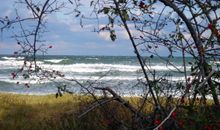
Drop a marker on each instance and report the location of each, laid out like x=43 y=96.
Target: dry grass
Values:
x=25 y=112
x=29 y=112
x=33 y=112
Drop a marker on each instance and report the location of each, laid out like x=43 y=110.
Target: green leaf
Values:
x=37 y=8
x=26 y=76
x=112 y=35
x=125 y=15
x=122 y=1
x=180 y=36
x=135 y=2
x=105 y=10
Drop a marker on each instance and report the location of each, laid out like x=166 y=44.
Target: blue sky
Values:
x=67 y=37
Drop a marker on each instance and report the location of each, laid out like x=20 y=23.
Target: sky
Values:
x=67 y=37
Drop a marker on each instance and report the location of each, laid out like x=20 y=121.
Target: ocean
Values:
x=122 y=73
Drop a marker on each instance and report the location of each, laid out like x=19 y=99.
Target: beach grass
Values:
x=46 y=112
x=27 y=112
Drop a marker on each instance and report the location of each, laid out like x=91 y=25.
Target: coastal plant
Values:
x=188 y=28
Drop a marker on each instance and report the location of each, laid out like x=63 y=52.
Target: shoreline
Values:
x=208 y=97
x=27 y=94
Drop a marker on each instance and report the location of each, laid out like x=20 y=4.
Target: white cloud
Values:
x=104 y=35
x=8 y=13
x=120 y=34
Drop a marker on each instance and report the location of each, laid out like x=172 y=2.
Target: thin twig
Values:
x=165 y=119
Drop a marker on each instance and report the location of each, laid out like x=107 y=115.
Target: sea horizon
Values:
x=177 y=56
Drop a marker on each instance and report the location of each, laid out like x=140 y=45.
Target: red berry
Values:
x=208 y=127
x=210 y=26
x=142 y=4
x=157 y=122
x=173 y=115
x=188 y=79
x=180 y=123
x=184 y=49
x=13 y=75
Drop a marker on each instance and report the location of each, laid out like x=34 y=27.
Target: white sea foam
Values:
x=9 y=64
x=87 y=68
x=92 y=58
x=130 y=78
x=91 y=68
x=216 y=62
x=175 y=78
x=22 y=81
x=92 y=78
x=12 y=58
x=168 y=67
x=14 y=64
x=31 y=80
x=36 y=80
x=55 y=60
